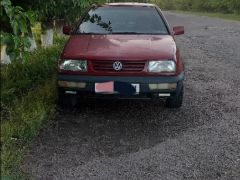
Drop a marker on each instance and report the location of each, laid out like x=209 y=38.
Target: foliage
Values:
x=17 y=22
x=14 y=33
x=69 y=10
x=37 y=67
x=28 y=96
x=220 y=6
x=28 y=115
x=223 y=6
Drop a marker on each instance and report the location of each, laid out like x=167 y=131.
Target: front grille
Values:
x=127 y=66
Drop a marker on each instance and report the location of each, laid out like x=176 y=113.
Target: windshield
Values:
x=123 y=20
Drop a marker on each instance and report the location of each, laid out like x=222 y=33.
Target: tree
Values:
x=14 y=32
x=50 y=11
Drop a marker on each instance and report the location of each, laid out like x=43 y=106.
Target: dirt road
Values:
x=135 y=139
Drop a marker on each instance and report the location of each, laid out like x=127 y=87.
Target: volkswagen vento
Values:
x=122 y=50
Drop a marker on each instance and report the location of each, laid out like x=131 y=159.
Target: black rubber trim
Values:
x=144 y=79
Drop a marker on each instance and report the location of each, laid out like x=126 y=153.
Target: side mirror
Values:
x=178 y=30
x=67 y=30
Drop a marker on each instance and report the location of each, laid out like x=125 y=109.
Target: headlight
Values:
x=73 y=65
x=162 y=66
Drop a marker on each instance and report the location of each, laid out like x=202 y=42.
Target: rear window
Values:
x=123 y=20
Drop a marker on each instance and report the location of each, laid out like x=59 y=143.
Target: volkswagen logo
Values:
x=117 y=66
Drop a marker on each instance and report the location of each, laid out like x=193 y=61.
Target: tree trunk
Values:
x=32 y=40
x=33 y=46
x=58 y=26
x=47 y=38
x=5 y=59
x=47 y=33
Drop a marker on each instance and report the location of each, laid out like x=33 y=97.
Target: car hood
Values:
x=120 y=47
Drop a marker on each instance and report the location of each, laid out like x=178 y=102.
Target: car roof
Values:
x=131 y=4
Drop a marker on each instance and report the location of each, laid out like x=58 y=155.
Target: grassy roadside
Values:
x=29 y=114
x=28 y=104
x=235 y=17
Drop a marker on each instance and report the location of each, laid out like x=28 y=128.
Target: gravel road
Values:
x=134 y=139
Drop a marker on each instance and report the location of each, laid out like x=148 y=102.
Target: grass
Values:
x=29 y=114
x=19 y=78
x=235 y=17
x=28 y=104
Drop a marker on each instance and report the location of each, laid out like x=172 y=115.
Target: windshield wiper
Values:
x=138 y=33
x=93 y=33
x=126 y=33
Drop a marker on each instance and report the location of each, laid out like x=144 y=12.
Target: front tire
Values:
x=67 y=101
x=176 y=100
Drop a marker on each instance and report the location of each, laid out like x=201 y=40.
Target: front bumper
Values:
x=145 y=90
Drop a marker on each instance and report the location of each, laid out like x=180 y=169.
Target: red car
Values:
x=122 y=50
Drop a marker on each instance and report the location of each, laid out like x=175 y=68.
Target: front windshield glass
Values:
x=122 y=20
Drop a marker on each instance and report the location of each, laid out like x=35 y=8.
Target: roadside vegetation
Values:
x=214 y=6
x=31 y=42
x=227 y=9
x=28 y=103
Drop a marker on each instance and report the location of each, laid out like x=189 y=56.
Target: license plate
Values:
x=108 y=87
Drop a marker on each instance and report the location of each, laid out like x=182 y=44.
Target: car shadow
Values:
x=110 y=129
x=114 y=127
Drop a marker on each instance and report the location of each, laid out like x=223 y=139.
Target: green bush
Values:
x=18 y=78
x=28 y=103
x=221 y=6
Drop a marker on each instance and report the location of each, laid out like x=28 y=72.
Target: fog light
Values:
x=172 y=86
x=71 y=92
x=164 y=95
x=163 y=86
x=152 y=86
x=72 y=84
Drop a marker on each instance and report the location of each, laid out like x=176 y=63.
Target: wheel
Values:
x=67 y=101
x=176 y=100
